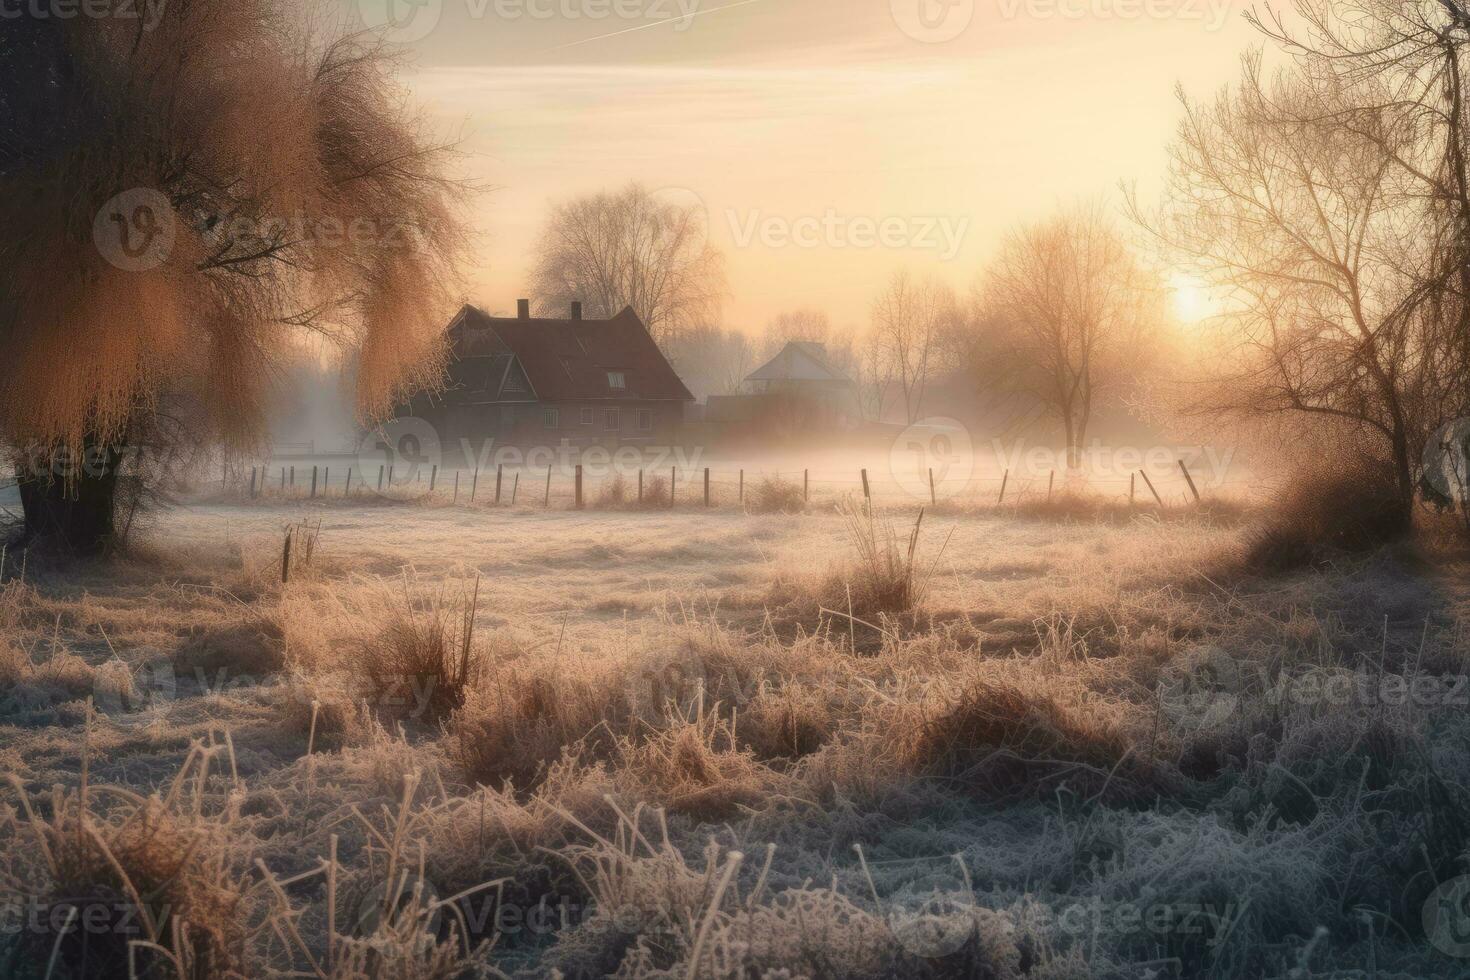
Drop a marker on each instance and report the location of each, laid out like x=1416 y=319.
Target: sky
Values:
x=830 y=142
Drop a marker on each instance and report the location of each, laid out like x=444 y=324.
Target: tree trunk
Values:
x=71 y=508
x=1403 y=473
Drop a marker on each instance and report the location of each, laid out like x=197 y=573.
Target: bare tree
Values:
x=630 y=249
x=910 y=318
x=1325 y=204
x=1056 y=311
x=711 y=360
x=875 y=378
x=178 y=206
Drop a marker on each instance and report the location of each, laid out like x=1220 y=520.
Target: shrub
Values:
x=1351 y=508
x=655 y=493
x=773 y=495
x=613 y=494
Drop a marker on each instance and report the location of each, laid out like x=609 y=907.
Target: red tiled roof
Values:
x=569 y=360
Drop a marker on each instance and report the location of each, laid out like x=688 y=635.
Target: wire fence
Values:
x=570 y=487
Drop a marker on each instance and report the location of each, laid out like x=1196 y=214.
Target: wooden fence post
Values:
x=806 y=486
x=706 y=486
x=313 y=483
x=499 y=478
x=286 y=559
x=252 y=483
x=1190 y=480
x=293 y=477
x=347 y=490
x=867 y=492
x=1051 y=478
x=380 y=479
x=456 y=486
x=640 y=488
x=283 y=479
x=579 y=486
x=433 y=478
x=1004 y=481
x=1151 y=487
x=475 y=483
x=1132 y=487
x=673 y=484
x=548 y=488
x=515 y=488
x=933 y=497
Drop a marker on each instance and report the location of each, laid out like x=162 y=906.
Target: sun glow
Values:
x=1190 y=298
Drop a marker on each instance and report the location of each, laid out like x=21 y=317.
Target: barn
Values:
x=534 y=381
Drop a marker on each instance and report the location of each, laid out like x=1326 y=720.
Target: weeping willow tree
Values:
x=182 y=203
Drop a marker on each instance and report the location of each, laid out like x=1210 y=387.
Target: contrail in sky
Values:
x=657 y=23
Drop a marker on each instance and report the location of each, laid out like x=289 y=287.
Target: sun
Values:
x=1190 y=298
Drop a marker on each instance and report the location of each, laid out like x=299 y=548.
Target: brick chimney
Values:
x=577 y=310
x=523 y=309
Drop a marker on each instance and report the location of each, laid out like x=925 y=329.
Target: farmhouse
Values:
x=797 y=390
x=534 y=381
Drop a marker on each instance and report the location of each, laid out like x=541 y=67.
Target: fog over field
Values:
x=734 y=490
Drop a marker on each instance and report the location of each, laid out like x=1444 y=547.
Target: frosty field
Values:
x=709 y=743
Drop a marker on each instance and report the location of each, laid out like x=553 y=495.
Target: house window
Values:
x=612 y=420
x=553 y=418
x=589 y=416
x=645 y=420
x=616 y=380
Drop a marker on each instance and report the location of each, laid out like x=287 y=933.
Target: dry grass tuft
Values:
x=884 y=582
x=421 y=660
x=251 y=649
x=160 y=886
x=519 y=722
x=789 y=722
x=998 y=742
x=28 y=685
x=694 y=765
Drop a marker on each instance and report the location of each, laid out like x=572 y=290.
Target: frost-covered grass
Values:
x=1092 y=747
